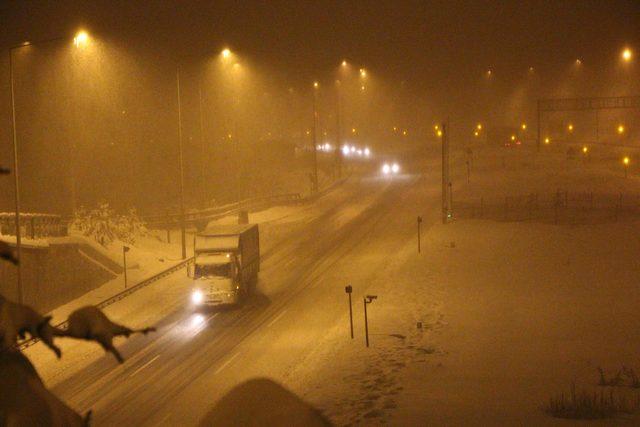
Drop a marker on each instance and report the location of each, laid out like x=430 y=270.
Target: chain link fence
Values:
x=559 y=207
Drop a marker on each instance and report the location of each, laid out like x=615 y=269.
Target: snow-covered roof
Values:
x=217 y=243
x=215 y=259
x=226 y=229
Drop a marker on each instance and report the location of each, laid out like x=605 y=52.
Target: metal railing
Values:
x=33 y=225
x=119 y=296
x=194 y=217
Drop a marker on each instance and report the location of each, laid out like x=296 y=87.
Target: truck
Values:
x=226 y=264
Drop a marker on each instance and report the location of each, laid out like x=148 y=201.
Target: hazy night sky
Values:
x=427 y=43
x=439 y=51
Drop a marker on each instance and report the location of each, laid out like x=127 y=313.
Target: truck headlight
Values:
x=197 y=296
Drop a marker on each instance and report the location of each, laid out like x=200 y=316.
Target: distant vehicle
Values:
x=506 y=136
x=226 y=264
x=390 y=168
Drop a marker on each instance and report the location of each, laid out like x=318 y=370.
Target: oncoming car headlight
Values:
x=197 y=297
x=395 y=168
x=386 y=169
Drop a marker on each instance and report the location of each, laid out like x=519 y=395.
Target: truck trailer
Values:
x=226 y=264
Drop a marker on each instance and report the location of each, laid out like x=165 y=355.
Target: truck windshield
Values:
x=208 y=270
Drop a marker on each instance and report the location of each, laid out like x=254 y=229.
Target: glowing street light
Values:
x=439 y=133
x=479 y=126
x=620 y=129
x=513 y=137
x=475 y=133
x=578 y=61
x=585 y=149
x=315 y=85
x=353 y=131
x=226 y=53
x=81 y=39
x=627 y=54
x=363 y=72
x=524 y=126
x=547 y=140
x=625 y=162
x=344 y=63
x=570 y=127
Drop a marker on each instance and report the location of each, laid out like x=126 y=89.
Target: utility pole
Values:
x=16 y=180
x=183 y=230
x=315 y=138
x=446 y=182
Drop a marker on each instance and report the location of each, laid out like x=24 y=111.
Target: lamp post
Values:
x=81 y=38
x=183 y=231
x=315 y=138
x=338 y=159
x=16 y=177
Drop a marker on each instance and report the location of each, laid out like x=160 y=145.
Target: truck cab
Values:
x=226 y=264
x=215 y=279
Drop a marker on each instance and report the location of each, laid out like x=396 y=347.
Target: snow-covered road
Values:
x=174 y=376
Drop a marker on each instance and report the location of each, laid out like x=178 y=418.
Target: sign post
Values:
x=348 y=289
x=367 y=300
x=125 y=249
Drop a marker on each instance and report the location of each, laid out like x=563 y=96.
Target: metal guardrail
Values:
x=191 y=218
x=33 y=225
x=119 y=296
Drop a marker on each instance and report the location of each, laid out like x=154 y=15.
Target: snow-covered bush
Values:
x=104 y=225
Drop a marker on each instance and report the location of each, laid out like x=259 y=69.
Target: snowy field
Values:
x=483 y=327
x=512 y=313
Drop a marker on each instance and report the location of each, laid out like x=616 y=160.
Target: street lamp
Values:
x=226 y=53
x=524 y=126
x=620 y=129
x=570 y=127
x=627 y=54
x=183 y=227
x=80 y=39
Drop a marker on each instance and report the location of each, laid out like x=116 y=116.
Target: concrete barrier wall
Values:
x=53 y=275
